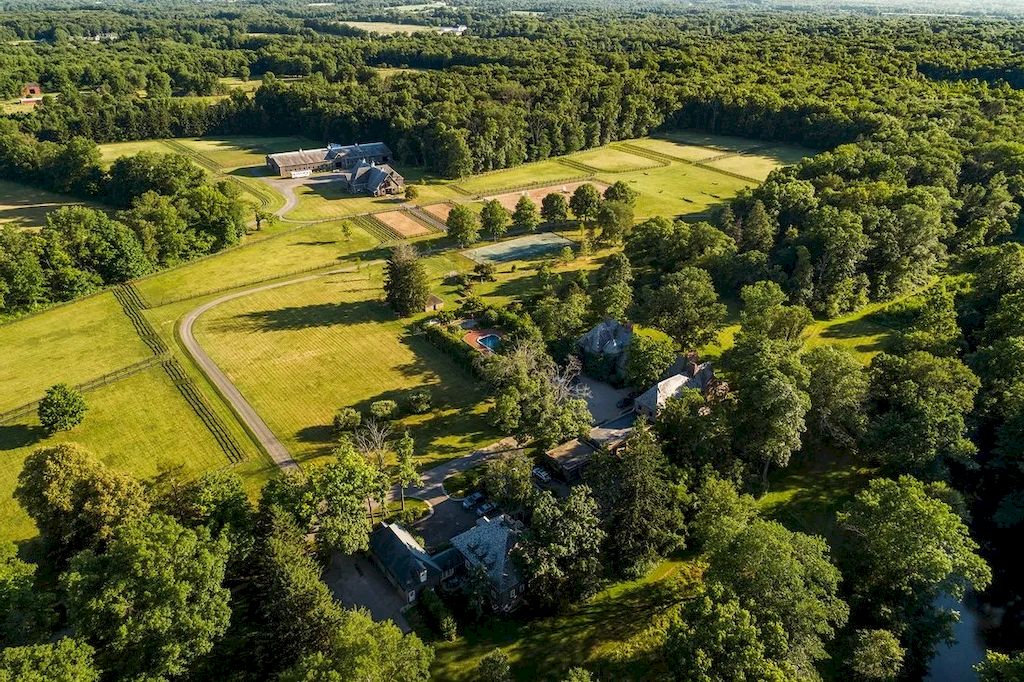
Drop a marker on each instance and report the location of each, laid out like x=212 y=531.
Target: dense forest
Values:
x=917 y=191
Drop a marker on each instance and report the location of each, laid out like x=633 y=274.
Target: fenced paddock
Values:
x=439 y=211
x=537 y=194
x=521 y=248
x=402 y=223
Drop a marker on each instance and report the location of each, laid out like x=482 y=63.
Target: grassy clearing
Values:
x=230 y=153
x=24 y=206
x=676 y=150
x=388 y=28
x=678 y=189
x=112 y=151
x=300 y=352
x=326 y=200
x=613 y=160
x=140 y=424
x=589 y=634
x=71 y=344
x=305 y=248
x=549 y=171
x=759 y=164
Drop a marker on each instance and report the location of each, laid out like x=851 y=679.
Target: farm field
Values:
x=294 y=250
x=140 y=424
x=550 y=171
x=25 y=206
x=300 y=352
x=388 y=28
x=71 y=344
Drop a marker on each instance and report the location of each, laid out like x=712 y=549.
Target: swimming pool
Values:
x=490 y=342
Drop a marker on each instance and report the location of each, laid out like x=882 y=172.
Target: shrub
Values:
x=61 y=409
x=347 y=419
x=445 y=316
x=384 y=409
x=440 y=615
x=419 y=402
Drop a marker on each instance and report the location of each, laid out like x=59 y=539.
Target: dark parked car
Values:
x=486 y=508
x=471 y=500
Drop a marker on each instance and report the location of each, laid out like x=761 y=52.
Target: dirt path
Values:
x=270 y=443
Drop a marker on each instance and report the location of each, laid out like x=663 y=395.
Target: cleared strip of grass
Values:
x=27 y=207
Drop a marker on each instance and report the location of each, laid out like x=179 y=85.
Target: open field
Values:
x=758 y=164
x=613 y=160
x=402 y=223
x=140 y=424
x=230 y=153
x=388 y=28
x=300 y=352
x=112 y=151
x=540 y=172
x=70 y=344
x=25 y=206
x=509 y=199
x=304 y=248
x=588 y=634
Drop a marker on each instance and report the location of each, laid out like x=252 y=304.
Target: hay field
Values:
x=25 y=206
x=303 y=248
x=612 y=160
x=140 y=425
x=71 y=344
x=300 y=352
x=388 y=28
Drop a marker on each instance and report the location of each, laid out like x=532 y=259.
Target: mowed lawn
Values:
x=290 y=251
x=140 y=425
x=25 y=206
x=69 y=344
x=613 y=159
x=300 y=352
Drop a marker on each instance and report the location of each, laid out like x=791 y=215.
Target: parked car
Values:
x=541 y=474
x=470 y=501
x=485 y=508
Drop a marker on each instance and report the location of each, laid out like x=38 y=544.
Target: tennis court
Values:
x=521 y=248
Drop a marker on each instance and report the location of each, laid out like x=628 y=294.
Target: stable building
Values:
x=333 y=157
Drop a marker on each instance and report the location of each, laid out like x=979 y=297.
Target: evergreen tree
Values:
x=406 y=284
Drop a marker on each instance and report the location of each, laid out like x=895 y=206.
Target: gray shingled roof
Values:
x=401 y=555
x=330 y=153
x=490 y=544
x=609 y=337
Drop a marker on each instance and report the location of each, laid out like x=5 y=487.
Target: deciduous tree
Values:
x=61 y=409
x=686 y=307
x=463 y=225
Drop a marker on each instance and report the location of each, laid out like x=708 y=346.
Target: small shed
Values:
x=434 y=303
x=29 y=90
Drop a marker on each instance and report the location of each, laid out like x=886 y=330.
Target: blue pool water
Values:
x=491 y=341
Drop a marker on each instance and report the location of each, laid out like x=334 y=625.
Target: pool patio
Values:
x=478 y=339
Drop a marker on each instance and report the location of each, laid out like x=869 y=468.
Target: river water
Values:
x=955 y=662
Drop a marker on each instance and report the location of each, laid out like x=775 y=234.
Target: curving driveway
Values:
x=270 y=443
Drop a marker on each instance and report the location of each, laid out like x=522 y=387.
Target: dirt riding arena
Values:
x=402 y=223
x=439 y=211
x=509 y=199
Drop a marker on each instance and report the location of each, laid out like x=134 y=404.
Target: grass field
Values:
x=613 y=159
x=24 y=206
x=588 y=634
x=70 y=344
x=388 y=28
x=140 y=425
x=300 y=352
x=294 y=250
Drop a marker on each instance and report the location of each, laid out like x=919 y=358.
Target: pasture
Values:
x=510 y=199
x=25 y=206
x=141 y=425
x=300 y=352
x=389 y=28
x=402 y=223
x=290 y=251
x=68 y=344
x=612 y=159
